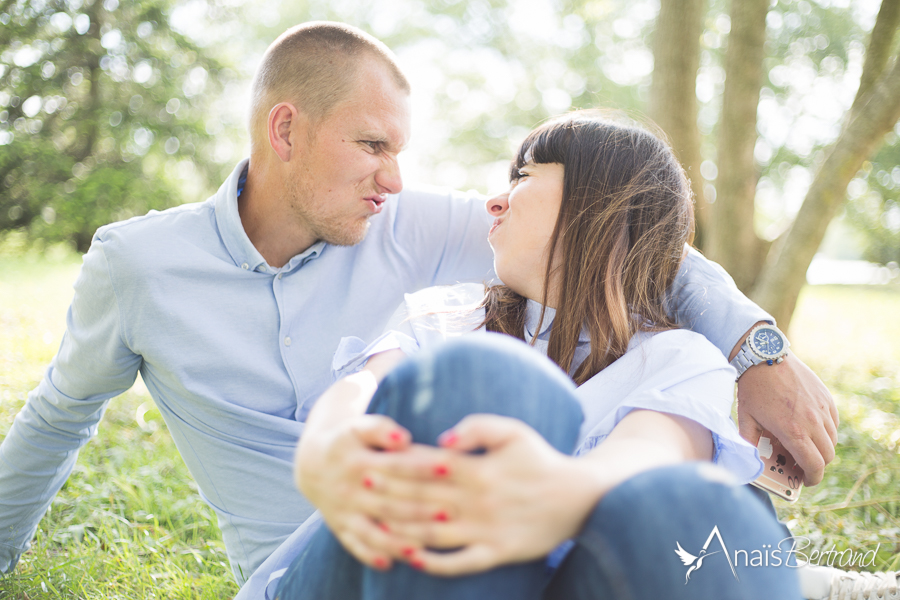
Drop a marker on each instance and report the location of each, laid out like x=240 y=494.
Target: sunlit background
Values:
x=484 y=72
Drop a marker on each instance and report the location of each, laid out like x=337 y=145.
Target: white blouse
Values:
x=676 y=372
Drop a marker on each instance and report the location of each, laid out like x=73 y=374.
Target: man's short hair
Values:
x=315 y=66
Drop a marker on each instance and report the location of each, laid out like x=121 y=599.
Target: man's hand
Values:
x=790 y=401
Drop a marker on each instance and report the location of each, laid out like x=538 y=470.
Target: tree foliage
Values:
x=102 y=112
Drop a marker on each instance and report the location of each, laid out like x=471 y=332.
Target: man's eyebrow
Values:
x=372 y=136
x=380 y=136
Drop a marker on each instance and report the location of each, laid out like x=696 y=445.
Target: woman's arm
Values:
x=522 y=498
x=649 y=439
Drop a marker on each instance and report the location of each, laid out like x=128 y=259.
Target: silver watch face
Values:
x=767 y=342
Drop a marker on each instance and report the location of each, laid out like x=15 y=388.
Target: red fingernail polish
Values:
x=367 y=482
x=449 y=439
x=417 y=564
x=441 y=470
x=441 y=516
x=408 y=551
x=395 y=436
x=380 y=563
x=384 y=527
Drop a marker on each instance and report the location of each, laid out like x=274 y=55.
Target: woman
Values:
x=587 y=241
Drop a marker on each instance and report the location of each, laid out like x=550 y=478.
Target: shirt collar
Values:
x=239 y=246
x=533 y=315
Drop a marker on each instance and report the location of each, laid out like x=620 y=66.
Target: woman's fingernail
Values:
x=441 y=470
x=448 y=438
x=408 y=551
x=368 y=483
x=417 y=564
x=380 y=563
x=441 y=516
x=395 y=436
x=384 y=527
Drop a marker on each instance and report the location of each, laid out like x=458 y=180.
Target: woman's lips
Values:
x=494 y=226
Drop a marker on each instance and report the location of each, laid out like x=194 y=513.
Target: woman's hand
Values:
x=338 y=445
x=329 y=469
x=514 y=503
x=520 y=498
x=343 y=451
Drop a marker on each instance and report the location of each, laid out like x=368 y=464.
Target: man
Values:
x=231 y=309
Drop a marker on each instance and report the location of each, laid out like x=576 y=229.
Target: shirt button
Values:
x=245 y=266
x=279 y=276
x=287 y=341
x=262 y=268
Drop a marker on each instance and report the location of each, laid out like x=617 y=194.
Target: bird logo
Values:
x=688 y=559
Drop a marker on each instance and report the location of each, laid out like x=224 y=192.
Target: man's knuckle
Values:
x=795 y=431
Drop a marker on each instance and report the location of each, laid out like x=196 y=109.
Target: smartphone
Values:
x=781 y=474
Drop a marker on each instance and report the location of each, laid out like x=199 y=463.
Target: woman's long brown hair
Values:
x=625 y=217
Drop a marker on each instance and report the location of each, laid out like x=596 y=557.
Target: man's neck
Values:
x=267 y=221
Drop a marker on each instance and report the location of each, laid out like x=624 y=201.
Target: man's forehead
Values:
x=381 y=121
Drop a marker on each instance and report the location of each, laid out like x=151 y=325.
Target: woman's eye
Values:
x=523 y=174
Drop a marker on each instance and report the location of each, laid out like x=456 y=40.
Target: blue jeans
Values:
x=627 y=548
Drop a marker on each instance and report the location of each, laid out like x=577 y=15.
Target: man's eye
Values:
x=374 y=145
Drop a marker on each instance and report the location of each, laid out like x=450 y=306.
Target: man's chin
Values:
x=347 y=237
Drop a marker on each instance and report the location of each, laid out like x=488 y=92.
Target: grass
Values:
x=850 y=335
x=129 y=523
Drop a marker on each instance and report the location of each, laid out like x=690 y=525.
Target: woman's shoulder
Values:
x=676 y=346
x=445 y=298
x=437 y=313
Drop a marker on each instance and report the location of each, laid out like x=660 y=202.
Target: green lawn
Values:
x=129 y=523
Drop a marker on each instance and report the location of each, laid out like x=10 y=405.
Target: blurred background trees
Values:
x=755 y=96
x=773 y=273
x=102 y=115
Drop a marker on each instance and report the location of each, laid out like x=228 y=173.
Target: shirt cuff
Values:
x=9 y=557
x=353 y=353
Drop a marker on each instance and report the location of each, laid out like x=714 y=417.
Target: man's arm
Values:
x=93 y=364
x=790 y=401
x=787 y=398
x=446 y=234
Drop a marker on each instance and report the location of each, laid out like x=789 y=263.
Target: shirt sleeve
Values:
x=704 y=299
x=446 y=234
x=93 y=364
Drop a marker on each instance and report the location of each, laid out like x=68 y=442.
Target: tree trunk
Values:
x=878 y=52
x=733 y=240
x=673 y=95
x=785 y=274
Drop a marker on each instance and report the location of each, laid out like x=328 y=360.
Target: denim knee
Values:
x=644 y=521
x=480 y=373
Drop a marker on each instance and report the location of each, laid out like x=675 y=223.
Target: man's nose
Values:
x=497 y=205
x=388 y=177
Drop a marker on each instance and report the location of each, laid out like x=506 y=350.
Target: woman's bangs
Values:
x=544 y=145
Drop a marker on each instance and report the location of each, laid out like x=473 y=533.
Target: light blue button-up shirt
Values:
x=235 y=352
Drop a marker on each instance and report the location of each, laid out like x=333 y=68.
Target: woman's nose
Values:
x=497 y=205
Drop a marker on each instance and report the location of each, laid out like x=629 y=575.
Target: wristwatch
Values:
x=766 y=343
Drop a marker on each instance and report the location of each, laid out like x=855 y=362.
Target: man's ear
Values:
x=285 y=126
